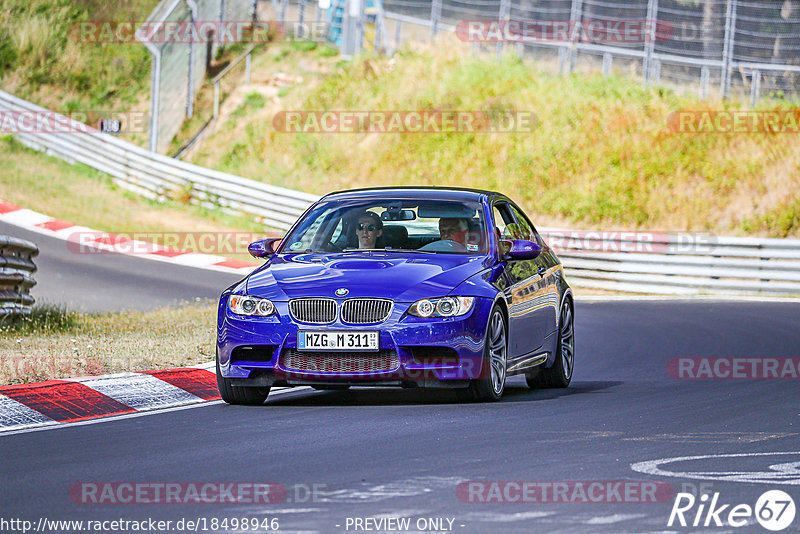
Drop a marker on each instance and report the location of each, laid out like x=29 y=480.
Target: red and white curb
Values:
x=54 y=402
x=105 y=241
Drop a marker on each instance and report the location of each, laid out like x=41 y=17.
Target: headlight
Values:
x=246 y=305
x=442 y=307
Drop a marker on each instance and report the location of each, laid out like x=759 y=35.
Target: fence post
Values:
x=376 y=43
x=300 y=17
x=755 y=87
x=705 y=78
x=650 y=40
x=575 y=16
x=216 y=99
x=215 y=46
x=247 y=66
x=398 y=30
x=436 y=16
x=351 y=30
x=607 y=59
x=563 y=58
x=155 y=82
x=362 y=27
x=727 y=49
x=502 y=19
x=194 y=13
x=190 y=80
x=282 y=16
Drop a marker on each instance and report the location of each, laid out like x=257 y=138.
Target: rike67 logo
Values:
x=774 y=510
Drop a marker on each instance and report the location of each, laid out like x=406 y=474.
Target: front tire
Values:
x=253 y=396
x=492 y=383
x=560 y=374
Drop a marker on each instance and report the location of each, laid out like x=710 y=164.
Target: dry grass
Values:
x=109 y=343
x=601 y=155
x=83 y=196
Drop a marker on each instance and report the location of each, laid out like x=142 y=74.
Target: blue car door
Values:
x=526 y=294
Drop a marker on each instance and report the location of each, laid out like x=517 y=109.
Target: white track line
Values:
x=711 y=298
x=199 y=404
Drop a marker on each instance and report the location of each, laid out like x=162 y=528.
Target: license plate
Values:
x=346 y=341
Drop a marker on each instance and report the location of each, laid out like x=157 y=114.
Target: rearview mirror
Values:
x=263 y=248
x=521 y=249
x=398 y=215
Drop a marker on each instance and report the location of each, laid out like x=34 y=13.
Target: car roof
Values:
x=421 y=192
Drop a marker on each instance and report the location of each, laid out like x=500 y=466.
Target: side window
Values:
x=503 y=221
x=526 y=229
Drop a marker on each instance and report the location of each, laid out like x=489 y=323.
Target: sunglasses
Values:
x=368 y=227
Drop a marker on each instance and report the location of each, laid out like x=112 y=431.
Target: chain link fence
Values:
x=731 y=48
x=728 y=47
x=181 y=57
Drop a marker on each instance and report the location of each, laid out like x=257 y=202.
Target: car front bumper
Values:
x=413 y=351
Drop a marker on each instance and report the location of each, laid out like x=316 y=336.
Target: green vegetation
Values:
x=44 y=319
x=601 y=153
x=252 y=102
x=56 y=343
x=42 y=58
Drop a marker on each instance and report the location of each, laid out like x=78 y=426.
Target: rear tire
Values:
x=560 y=374
x=253 y=396
x=491 y=384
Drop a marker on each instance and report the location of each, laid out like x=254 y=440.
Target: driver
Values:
x=368 y=229
x=454 y=228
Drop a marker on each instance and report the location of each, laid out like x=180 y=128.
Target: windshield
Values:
x=436 y=226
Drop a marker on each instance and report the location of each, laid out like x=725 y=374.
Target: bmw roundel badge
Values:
x=342 y=291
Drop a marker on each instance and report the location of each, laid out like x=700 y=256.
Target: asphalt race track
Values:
x=112 y=282
x=403 y=453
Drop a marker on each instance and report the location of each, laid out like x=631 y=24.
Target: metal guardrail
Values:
x=673 y=264
x=717 y=265
x=16 y=276
x=160 y=177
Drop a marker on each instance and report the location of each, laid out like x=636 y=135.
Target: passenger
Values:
x=368 y=229
x=454 y=229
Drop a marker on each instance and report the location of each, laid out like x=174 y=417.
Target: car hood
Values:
x=397 y=277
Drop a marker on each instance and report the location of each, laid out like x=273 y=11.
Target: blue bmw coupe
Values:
x=404 y=287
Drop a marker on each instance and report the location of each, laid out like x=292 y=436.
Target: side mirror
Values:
x=522 y=249
x=264 y=248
